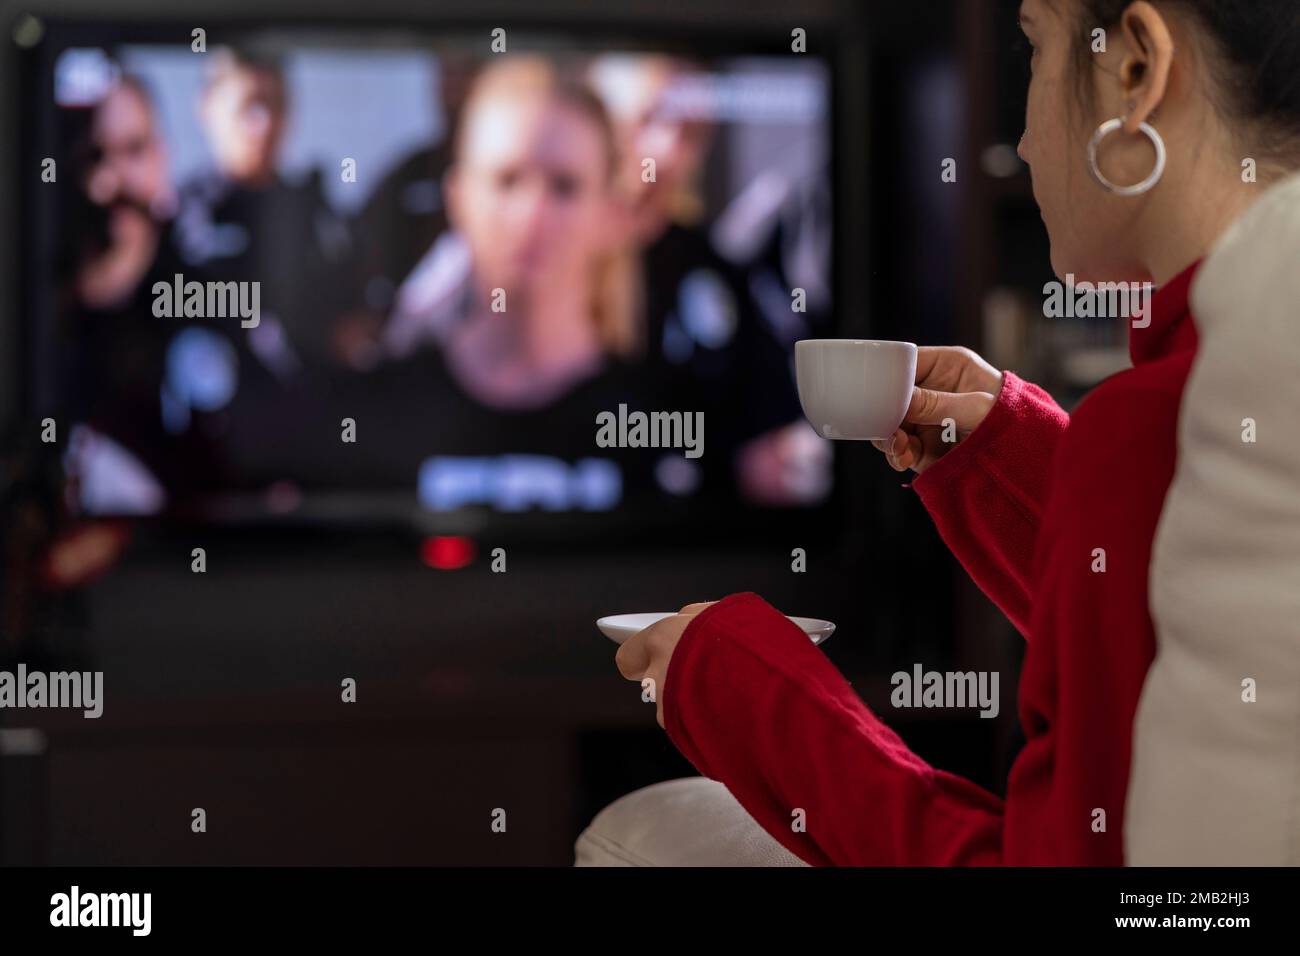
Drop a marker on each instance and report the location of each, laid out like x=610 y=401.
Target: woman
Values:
x=1029 y=498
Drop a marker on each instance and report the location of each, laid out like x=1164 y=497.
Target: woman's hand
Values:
x=644 y=656
x=953 y=385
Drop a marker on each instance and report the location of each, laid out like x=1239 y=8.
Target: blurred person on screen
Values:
x=120 y=231
x=242 y=220
x=701 y=319
x=519 y=293
x=110 y=351
x=126 y=182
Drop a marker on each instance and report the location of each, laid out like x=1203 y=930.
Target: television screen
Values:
x=296 y=270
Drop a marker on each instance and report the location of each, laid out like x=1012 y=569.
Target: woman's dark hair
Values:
x=1256 y=47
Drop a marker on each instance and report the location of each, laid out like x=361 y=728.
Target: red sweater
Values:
x=1023 y=502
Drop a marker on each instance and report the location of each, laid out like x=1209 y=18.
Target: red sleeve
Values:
x=751 y=702
x=987 y=496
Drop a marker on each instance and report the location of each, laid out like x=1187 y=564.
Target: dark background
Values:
x=478 y=690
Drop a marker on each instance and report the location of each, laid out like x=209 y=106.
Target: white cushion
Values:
x=1215 y=779
x=689 y=822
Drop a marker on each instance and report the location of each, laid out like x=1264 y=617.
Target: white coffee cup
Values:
x=854 y=389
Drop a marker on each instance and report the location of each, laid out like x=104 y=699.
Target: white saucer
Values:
x=619 y=627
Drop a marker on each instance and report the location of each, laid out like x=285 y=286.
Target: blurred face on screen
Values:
x=128 y=163
x=528 y=190
x=126 y=176
x=636 y=91
x=243 y=114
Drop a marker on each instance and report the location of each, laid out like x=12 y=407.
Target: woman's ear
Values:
x=1148 y=60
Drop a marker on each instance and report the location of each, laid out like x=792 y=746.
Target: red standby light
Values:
x=447 y=552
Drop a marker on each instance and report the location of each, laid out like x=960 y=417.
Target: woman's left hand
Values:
x=644 y=656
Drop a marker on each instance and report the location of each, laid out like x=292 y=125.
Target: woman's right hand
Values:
x=955 y=388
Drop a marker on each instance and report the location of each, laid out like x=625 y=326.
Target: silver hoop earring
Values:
x=1104 y=130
